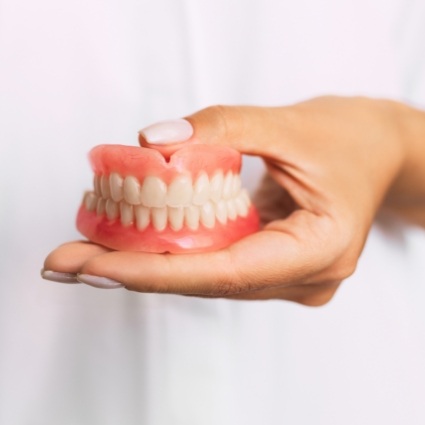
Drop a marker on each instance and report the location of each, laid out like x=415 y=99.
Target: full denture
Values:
x=193 y=202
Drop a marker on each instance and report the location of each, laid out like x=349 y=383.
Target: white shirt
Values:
x=76 y=74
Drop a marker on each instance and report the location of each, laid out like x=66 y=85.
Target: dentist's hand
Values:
x=332 y=162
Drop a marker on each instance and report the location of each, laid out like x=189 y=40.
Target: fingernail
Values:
x=170 y=131
x=99 y=282
x=59 y=277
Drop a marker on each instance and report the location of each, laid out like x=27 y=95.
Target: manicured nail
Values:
x=99 y=282
x=171 y=131
x=59 y=277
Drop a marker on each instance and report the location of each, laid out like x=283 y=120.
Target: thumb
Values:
x=244 y=128
x=248 y=129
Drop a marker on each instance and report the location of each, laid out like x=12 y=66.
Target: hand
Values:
x=331 y=163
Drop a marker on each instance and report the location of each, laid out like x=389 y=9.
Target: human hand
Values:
x=331 y=162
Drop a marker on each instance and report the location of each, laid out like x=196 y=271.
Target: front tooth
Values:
x=153 y=193
x=231 y=209
x=180 y=192
x=104 y=187
x=201 y=190
x=142 y=217
x=131 y=189
x=208 y=215
x=111 y=209
x=227 y=185
x=216 y=186
x=126 y=213
x=176 y=217
x=241 y=206
x=192 y=214
x=100 y=207
x=221 y=211
x=236 y=185
x=90 y=201
x=96 y=184
x=116 y=183
x=159 y=218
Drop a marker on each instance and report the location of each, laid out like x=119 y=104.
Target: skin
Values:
x=332 y=162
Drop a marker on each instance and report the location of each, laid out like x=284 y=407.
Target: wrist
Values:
x=406 y=195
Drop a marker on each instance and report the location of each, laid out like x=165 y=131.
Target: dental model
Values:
x=190 y=202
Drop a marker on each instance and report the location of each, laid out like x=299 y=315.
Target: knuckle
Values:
x=226 y=119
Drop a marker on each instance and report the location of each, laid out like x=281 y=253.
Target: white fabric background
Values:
x=76 y=74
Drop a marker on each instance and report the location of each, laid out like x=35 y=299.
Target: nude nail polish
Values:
x=170 y=131
x=59 y=277
x=99 y=282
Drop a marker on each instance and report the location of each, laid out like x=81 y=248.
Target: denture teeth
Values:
x=227 y=186
x=191 y=216
x=90 y=201
x=182 y=203
x=208 y=215
x=236 y=185
x=112 y=209
x=131 y=189
x=104 y=187
x=100 y=207
x=96 y=184
x=116 y=183
x=126 y=213
x=153 y=193
x=241 y=206
x=180 y=192
x=216 y=186
x=231 y=209
x=159 y=218
x=142 y=216
x=201 y=190
x=221 y=211
x=176 y=217
x=245 y=196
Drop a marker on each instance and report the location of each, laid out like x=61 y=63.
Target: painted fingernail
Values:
x=59 y=277
x=170 y=131
x=99 y=282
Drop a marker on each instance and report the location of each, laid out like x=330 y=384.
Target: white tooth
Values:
x=208 y=215
x=221 y=211
x=180 y=192
x=153 y=192
x=104 y=187
x=241 y=206
x=131 y=189
x=126 y=213
x=115 y=183
x=227 y=185
x=96 y=184
x=236 y=185
x=216 y=186
x=100 y=207
x=245 y=197
x=191 y=214
x=142 y=217
x=111 y=209
x=231 y=209
x=176 y=217
x=90 y=201
x=201 y=190
x=159 y=218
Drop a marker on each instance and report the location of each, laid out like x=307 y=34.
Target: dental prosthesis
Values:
x=190 y=202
